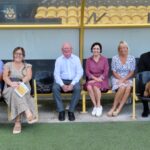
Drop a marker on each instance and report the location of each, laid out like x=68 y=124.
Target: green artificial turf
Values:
x=77 y=136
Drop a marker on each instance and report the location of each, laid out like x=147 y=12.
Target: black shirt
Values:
x=144 y=62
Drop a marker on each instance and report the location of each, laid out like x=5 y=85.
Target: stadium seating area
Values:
x=110 y=14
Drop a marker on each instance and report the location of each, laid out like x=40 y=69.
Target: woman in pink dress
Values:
x=97 y=69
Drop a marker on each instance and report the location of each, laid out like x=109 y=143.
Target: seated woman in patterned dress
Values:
x=15 y=72
x=97 y=69
x=1 y=75
x=123 y=66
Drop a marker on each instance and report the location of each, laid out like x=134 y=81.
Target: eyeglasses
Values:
x=18 y=54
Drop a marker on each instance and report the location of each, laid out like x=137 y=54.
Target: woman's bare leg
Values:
x=91 y=93
x=17 y=126
x=124 y=98
x=29 y=114
x=118 y=96
x=97 y=94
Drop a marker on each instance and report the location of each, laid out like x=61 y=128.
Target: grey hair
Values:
x=67 y=43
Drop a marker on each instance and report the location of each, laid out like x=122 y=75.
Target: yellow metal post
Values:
x=35 y=99
x=83 y=102
x=81 y=45
x=133 y=102
x=81 y=36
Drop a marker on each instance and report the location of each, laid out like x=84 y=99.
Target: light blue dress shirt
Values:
x=68 y=69
x=1 y=71
x=1 y=67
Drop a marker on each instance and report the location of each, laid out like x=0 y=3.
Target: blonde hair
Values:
x=123 y=42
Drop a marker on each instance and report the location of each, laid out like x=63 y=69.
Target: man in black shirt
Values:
x=144 y=62
x=144 y=65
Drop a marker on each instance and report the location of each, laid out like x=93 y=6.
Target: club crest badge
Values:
x=9 y=13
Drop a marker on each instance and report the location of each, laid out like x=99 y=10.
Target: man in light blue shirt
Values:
x=68 y=72
x=1 y=74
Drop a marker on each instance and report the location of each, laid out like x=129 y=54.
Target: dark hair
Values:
x=17 y=48
x=96 y=43
x=23 y=53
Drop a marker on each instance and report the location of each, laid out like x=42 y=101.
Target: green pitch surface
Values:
x=77 y=136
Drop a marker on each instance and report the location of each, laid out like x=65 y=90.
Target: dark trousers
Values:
x=145 y=106
x=0 y=89
x=74 y=99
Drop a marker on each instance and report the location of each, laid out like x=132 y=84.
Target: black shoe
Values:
x=145 y=113
x=61 y=116
x=71 y=116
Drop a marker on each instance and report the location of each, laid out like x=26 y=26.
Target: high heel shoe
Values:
x=17 y=128
x=31 y=120
x=116 y=113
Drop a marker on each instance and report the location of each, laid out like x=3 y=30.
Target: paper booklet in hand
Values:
x=22 y=89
